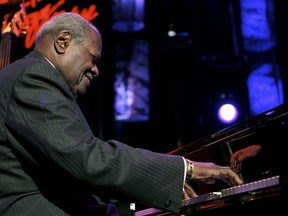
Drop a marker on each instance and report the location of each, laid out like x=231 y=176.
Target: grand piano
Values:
x=264 y=175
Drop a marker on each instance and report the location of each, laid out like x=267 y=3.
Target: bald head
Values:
x=76 y=25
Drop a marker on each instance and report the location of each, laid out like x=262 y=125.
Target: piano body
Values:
x=265 y=175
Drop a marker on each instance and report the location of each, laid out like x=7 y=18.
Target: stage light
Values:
x=228 y=113
x=128 y=15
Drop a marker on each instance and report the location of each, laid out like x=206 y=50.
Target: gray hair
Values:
x=79 y=27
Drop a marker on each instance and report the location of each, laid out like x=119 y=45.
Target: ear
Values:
x=62 y=42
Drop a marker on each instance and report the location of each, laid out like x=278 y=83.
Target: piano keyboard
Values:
x=261 y=184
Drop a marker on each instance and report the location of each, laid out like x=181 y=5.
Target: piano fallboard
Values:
x=252 y=191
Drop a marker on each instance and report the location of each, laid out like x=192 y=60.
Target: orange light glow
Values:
x=3 y=1
x=36 y=19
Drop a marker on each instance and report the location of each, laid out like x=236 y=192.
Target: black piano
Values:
x=264 y=175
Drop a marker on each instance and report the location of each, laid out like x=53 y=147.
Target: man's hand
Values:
x=209 y=172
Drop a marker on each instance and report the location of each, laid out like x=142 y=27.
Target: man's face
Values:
x=79 y=64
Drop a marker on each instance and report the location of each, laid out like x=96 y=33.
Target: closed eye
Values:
x=95 y=59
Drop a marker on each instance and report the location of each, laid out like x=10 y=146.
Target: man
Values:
x=50 y=161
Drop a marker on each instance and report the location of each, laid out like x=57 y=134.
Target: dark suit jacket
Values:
x=52 y=164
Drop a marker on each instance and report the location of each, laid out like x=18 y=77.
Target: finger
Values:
x=229 y=177
x=189 y=192
x=208 y=181
x=233 y=179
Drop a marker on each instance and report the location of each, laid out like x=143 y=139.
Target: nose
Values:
x=95 y=71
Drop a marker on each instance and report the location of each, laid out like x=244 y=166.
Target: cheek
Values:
x=73 y=80
x=75 y=73
x=71 y=70
x=82 y=86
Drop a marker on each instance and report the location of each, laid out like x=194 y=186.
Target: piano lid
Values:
x=277 y=115
x=268 y=130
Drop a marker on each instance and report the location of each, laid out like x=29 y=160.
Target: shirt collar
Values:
x=50 y=62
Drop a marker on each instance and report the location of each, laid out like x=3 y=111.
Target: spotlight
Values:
x=227 y=113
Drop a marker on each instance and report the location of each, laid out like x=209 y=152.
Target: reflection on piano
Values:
x=265 y=175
